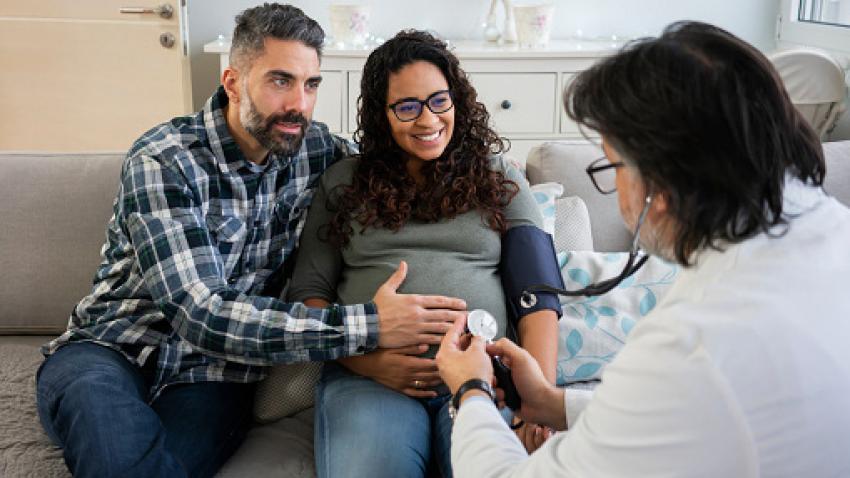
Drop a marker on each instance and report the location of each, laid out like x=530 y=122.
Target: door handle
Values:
x=165 y=10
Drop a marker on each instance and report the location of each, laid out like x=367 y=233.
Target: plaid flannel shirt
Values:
x=198 y=233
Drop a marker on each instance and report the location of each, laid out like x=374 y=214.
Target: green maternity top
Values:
x=457 y=257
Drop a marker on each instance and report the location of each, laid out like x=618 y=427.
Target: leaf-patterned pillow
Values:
x=593 y=329
x=545 y=195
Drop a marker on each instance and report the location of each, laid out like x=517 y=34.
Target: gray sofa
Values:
x=53 y=209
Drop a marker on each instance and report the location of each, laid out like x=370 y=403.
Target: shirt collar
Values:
x=798 y=197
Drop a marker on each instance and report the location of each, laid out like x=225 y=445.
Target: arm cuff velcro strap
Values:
x=528 y=258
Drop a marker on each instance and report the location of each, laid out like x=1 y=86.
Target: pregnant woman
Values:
x=430 y=191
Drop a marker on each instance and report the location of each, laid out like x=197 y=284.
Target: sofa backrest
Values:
x=565 y=162
x=53 y=214
x=54 y=209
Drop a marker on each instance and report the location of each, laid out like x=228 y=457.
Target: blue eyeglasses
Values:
x=408 y=109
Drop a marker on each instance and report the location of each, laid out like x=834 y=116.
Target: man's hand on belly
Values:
x=411 y=319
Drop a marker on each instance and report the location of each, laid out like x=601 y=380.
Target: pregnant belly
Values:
x=480 y=287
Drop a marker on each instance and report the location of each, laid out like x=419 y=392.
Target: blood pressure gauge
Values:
x=480 y=323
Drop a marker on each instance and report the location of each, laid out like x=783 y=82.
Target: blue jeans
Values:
x=93 y=403
x=363 y=428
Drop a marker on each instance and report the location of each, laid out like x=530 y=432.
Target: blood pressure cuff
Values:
x=528 y=258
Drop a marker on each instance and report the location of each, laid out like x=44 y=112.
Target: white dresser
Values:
x=521 y=88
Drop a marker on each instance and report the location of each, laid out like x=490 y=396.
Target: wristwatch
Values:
x=471 y=384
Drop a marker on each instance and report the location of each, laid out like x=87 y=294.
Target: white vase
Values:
x=491 y=30
x=509 y=32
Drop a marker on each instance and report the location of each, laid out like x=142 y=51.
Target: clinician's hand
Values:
x=542 y=402
x=461 y=358
x=411 y=319
x=399 y=369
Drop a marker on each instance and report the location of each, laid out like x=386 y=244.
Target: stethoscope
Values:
x=528 y=299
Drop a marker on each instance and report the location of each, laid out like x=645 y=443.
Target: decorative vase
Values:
x=491 y=30
x=349 y=24
x=534 y=23
x=509 y=32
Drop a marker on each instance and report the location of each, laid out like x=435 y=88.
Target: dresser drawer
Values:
x=568 y=126
x=518 y=102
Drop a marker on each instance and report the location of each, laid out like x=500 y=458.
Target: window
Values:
x=818 y=23
x=828 y=12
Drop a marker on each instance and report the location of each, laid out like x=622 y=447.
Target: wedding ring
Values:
x=418 y=384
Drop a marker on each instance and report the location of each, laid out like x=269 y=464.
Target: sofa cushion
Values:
x=572 y=225
x=544 y=195
x=281 y=449
x=565 y=163
x=25 y=450
x=287 y=390
x=592 y=330
x=54 y=209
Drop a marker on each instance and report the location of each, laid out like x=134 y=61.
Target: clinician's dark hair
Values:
x=272 y=20
x=704 y=118
x=382 y=193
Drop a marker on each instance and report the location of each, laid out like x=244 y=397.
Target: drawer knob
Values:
x=506 y=104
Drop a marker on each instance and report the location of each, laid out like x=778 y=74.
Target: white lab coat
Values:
x=742 y=370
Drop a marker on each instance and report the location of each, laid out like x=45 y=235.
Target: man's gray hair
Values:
x=272 y=20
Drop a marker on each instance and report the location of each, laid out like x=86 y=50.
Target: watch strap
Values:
x=472 y=384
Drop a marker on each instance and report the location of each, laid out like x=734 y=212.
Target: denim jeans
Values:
x=93 y=403
x=363 y=428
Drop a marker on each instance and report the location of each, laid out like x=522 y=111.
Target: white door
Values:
x=90 y=75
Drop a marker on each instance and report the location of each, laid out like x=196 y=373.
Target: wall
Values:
x=753 y=20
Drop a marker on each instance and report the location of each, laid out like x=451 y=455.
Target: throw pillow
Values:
x=545 y=195
x=572 y=225
x=593 y=329
x=286 y=391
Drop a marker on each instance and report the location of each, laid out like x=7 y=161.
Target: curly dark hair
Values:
x=705 y=118
x=382 y=193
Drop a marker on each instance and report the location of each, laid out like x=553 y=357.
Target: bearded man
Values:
x=155 y=374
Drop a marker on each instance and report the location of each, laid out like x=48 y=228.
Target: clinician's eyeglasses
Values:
x=408 y=109
x=604 y=175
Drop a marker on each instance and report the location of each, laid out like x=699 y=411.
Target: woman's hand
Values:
x=399 y=369
x=532 y=435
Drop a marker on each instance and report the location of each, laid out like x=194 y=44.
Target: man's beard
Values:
x=263 y=130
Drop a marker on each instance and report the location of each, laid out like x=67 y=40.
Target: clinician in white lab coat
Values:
x=743 y=368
